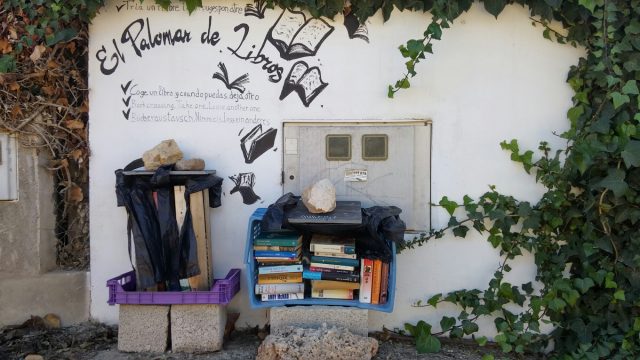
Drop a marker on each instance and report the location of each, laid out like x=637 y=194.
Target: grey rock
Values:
x=190 y=164
x=33 y=357
x=165 y=153
x=324 y=343
x=320 y=197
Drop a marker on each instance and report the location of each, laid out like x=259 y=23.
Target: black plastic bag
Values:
x=162 y=254
x=274 y=219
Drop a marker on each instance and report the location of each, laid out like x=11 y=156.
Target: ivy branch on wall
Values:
x=586 y=222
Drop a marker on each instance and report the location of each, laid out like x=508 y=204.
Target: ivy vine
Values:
x=584 y=230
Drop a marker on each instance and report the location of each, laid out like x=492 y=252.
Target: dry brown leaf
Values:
x=48 y=90
x=5 y=46
x=74 y=124
x=14 y=86
x=38 y=50
x=84 y=107
x=75 y=194
x=62 y=101
x=13 y=34
x=16 y=111
x=71 y=47
x=52 y=64
x=64 y=163
x=76 y=154
x=2 y=76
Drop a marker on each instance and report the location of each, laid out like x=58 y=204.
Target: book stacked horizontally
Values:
x=374 y=286
x=279 y=267
x=333 y=269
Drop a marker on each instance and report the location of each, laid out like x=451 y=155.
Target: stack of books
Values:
x=333 y=267
x=279 y=266
x=374 y=286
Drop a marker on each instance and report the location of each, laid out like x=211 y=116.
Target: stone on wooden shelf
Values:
x=320 y=197
x=165 y=153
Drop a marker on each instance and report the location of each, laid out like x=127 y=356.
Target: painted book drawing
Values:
x=237 y=84
x=305 y=81
x=354 y=28
x=256 y=9
x=294 y=36
x=257 y=142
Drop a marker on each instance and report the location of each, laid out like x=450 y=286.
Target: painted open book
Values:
x=294 y=36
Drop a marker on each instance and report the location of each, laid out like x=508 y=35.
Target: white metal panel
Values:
x=8 y=167
x=401 y=180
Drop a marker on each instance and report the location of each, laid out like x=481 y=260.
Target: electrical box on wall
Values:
x=376 y=163
x=8 y=167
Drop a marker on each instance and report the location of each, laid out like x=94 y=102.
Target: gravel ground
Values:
x=99 y=342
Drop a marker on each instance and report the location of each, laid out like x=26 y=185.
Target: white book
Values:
x=332 y=266
x=288 y=296
x=279 y=269
x=366 y=275
x=336 y=255
x=279 y=288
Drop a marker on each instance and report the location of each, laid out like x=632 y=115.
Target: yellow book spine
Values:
x=375 y=281
x=282 y=278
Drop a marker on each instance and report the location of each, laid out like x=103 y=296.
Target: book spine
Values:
x=335 y=261
x=335 y=271
x=332 y=284
x=275 y=242
x=366 y=270
x=279 y=269
x=316 y=275
x=274 y=248
x=332 y=266
x=375 y=281
x=276 y=297
x=332 y=294
x=280 y=278
x=337 y=255
x=384 y=283
x=279 y=288
x=329 y=248
x=276 y=259
x=276 y=254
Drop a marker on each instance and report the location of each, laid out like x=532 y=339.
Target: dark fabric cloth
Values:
x=162 y=254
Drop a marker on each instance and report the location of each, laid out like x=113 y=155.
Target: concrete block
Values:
x=64 y=293
x=197 y=328
x=143 y=328
x=353 y=319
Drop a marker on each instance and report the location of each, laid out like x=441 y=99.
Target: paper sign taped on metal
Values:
x=291 y=146
x=355 y=175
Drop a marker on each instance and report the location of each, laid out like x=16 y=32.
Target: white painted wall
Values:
x=489 y=80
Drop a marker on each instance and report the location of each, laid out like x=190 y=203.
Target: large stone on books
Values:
x=320 y=197
x=325 y=343
x=165 y=153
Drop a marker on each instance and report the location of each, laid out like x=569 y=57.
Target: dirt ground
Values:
x=99 y=342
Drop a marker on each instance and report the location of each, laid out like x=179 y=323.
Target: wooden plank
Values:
x=200 y=218
x=181 y=205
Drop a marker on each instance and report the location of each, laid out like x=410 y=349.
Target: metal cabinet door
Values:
x=402 y=178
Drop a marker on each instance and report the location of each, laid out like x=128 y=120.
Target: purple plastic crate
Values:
x=122 y=291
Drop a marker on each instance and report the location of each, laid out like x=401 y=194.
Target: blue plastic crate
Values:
x=253 y=230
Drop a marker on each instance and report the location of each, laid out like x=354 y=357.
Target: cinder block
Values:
x=354 y=319
x=143 y=328
x=197 y=328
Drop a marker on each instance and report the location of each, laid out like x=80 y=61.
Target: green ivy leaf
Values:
x=434 y=30
x=631 y=154
x=614 y=181
x=449 y=205
x=557 y=304
x=589 y=4
x=427 y=344
x=7 y=64
x=487 y=356
x=433 y=301
x=630 y=88
x=619 y=295
x=460 y=231
x=583 y=285
x=482 y=341
x=447 y=323
x=494 y=7
x=390 y=92
x=469 y=327
x=619 y=99
x=193 y=4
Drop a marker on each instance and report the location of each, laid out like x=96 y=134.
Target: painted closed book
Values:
x=279 y=288
x=331 y=284
x=271 y=239
x=384 y=283
x=335 y=261
x=375 y=281
x=345 y=294
x=275 y=254
x=332 y=266
x=318 y=275
x=279 y=269
x=332 y=244
x=280 y=278
x=289 y=296
x=366 y=272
